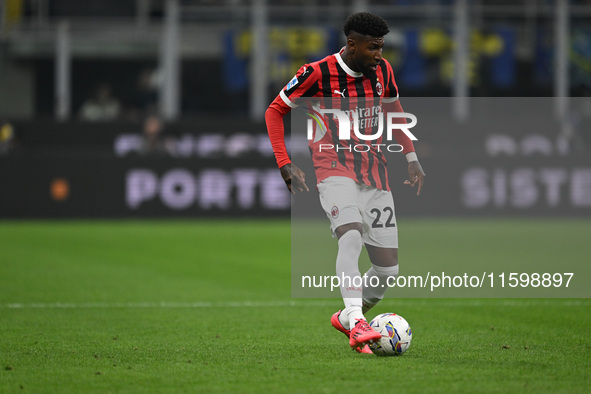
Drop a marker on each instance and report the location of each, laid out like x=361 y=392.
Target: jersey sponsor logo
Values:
x=334 y=212
x=379 y=88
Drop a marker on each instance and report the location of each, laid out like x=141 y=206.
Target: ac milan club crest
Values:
x=334 y=211
x=379 y=88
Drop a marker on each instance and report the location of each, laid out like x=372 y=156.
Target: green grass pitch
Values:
x=204 y=306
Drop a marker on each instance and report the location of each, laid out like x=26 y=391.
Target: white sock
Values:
x=353 y=312
x=374 y=294
x=347 y=268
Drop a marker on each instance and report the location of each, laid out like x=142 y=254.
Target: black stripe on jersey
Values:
x=344 y=104
x=391 y=87
x=384 y=67
x=325 y=72
x=334 y=132
x=380 y=159
x=360 y=89
x=382 y=170
x=371 y=130
x=375 y=100
x=312 y=90
x=380 y=155
x=342 y=83
x=370 y=160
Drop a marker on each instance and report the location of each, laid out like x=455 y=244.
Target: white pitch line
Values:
x=139 y=305
x=291 y=303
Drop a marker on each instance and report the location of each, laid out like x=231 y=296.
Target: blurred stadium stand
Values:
x=209 y=68
x=512 y=48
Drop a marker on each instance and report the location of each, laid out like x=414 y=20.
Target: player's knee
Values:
x=351 y=241
x=385 y=262
x=345 y=228
x=386 y=272
x=390 y=260
x=383 y=257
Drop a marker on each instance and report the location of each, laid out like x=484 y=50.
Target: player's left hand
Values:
x=415 y=175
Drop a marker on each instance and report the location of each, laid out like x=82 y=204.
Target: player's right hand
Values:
x=294 y=178
x=416 y=175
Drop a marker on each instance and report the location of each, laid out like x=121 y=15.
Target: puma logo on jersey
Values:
x=339 y=92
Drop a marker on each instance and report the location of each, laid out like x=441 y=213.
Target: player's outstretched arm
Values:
x=416 y=175
x=294 y=178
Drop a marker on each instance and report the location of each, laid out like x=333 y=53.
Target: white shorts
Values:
x=346 y=201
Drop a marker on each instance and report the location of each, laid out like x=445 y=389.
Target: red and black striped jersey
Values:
x=331 y=77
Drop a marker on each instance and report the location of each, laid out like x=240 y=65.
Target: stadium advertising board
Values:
x=107 y=187
x=505 y=160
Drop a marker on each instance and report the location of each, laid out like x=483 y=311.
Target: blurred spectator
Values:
x=154 y=142
x=146 y=95
x=6 y=138
x=102 y=106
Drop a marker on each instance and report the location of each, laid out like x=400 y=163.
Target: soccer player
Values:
x=353 y=186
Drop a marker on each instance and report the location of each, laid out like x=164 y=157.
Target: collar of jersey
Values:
x=344 y=65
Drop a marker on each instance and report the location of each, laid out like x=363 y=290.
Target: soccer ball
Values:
x=396 y=335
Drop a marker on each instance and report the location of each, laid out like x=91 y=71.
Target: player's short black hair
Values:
x=366 y=24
